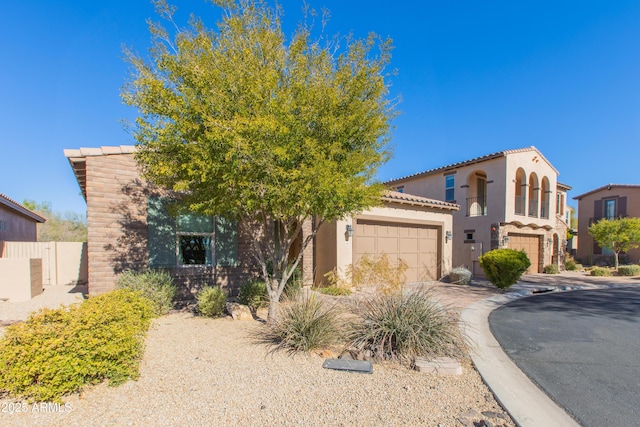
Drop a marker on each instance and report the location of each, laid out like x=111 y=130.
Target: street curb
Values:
x=527 y=404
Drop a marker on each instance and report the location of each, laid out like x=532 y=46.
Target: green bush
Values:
x=336 y=291
x=551 y=269
x=304 y=325
x=254 y=294
x=504 y=267
x=600 y=271
x=570 y=264
x=57 y=352
x=629 y=270
x=403 y=327
x=460 y=275
x=211 y=301
x=157 y=285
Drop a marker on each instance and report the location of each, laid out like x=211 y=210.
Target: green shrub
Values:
x=57 y=352
x=293 y=287
x=304 y=325
x=504 y=267
x=403 y=327
x=600 y=271
x=551 y=269
x=570 y=264
x=336 y=291
x=157 y=285
x=211 y=301
x=629 y=270
x=254 y=294
x=460 y=275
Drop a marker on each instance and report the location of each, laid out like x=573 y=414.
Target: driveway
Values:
x=581 y=347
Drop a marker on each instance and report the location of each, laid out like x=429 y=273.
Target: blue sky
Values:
x=474 y=78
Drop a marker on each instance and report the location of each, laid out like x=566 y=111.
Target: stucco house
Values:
x=610 y=201
x=17 y=223
x=510 y=199
x=130 y=227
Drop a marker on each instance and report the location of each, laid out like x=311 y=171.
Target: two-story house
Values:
x=610 y=201
x=510 y=199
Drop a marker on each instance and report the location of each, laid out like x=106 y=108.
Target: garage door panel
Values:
x=417 y=245
x=409 y=245
x=531 y=246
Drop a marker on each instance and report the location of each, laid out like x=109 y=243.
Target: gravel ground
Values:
x=203 y=372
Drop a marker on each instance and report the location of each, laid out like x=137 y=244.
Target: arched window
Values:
x=520 y=192
x=534 y=193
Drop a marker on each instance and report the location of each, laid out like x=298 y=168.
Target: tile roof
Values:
x=452 y=166
x=607 y=187
x=404 y=198
x=4 y=200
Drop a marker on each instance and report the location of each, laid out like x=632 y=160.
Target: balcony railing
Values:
x=544 y=210
x=476 y=206
x=533 y=208
x=520 y=205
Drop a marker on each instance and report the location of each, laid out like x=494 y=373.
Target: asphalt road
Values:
x=581 y=347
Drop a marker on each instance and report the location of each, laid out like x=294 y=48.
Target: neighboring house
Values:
x=17 y=223
x=510 y=199
x=610 y=201
x=130 y=227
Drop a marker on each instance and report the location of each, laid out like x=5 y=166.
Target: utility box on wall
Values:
x=20 y=278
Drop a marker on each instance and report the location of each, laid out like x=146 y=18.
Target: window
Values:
x=610 y=209
x=450 y=184
x=469 y=236
x=400 y=189
x=189 y=239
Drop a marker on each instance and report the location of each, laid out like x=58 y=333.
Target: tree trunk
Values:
x=615 y=260
x=273 y=309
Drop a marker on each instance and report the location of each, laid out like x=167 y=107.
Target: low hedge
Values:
x=629 y=270
x=57 y=352
x=600 y=271
x=504 y=267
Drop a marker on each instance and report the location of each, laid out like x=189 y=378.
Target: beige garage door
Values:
x=417 y=245
x=531 y=246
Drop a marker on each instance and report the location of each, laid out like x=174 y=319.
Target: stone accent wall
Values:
x=307 y=256
x=117 y=232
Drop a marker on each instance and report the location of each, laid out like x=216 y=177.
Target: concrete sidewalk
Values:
x=527 y=404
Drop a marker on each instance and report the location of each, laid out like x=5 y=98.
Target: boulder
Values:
x=239 y=311
x=439 y=365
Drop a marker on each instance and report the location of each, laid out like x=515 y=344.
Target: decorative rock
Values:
x=440 y=365
x=239 y=311
x=483 y=423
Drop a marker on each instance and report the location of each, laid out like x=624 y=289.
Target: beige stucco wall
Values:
x=500 y=175
x=586 y=215
x=19 y=228
x=20 y=278
x=335 y=250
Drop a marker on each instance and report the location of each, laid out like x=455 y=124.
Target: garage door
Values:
x=531 y=245
x=417 y=245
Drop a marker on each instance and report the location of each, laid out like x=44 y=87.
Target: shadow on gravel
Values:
x=615 y=303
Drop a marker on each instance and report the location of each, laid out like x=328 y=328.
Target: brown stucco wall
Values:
x=19 y=228
x=117 y=231
x=586 y=215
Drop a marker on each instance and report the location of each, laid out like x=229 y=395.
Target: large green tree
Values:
x=618 y=235
x=244 y=122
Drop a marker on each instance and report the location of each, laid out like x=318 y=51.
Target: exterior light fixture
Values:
x=349 y=230
x=505 y=240
x=448 y=236
x=550 y=241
